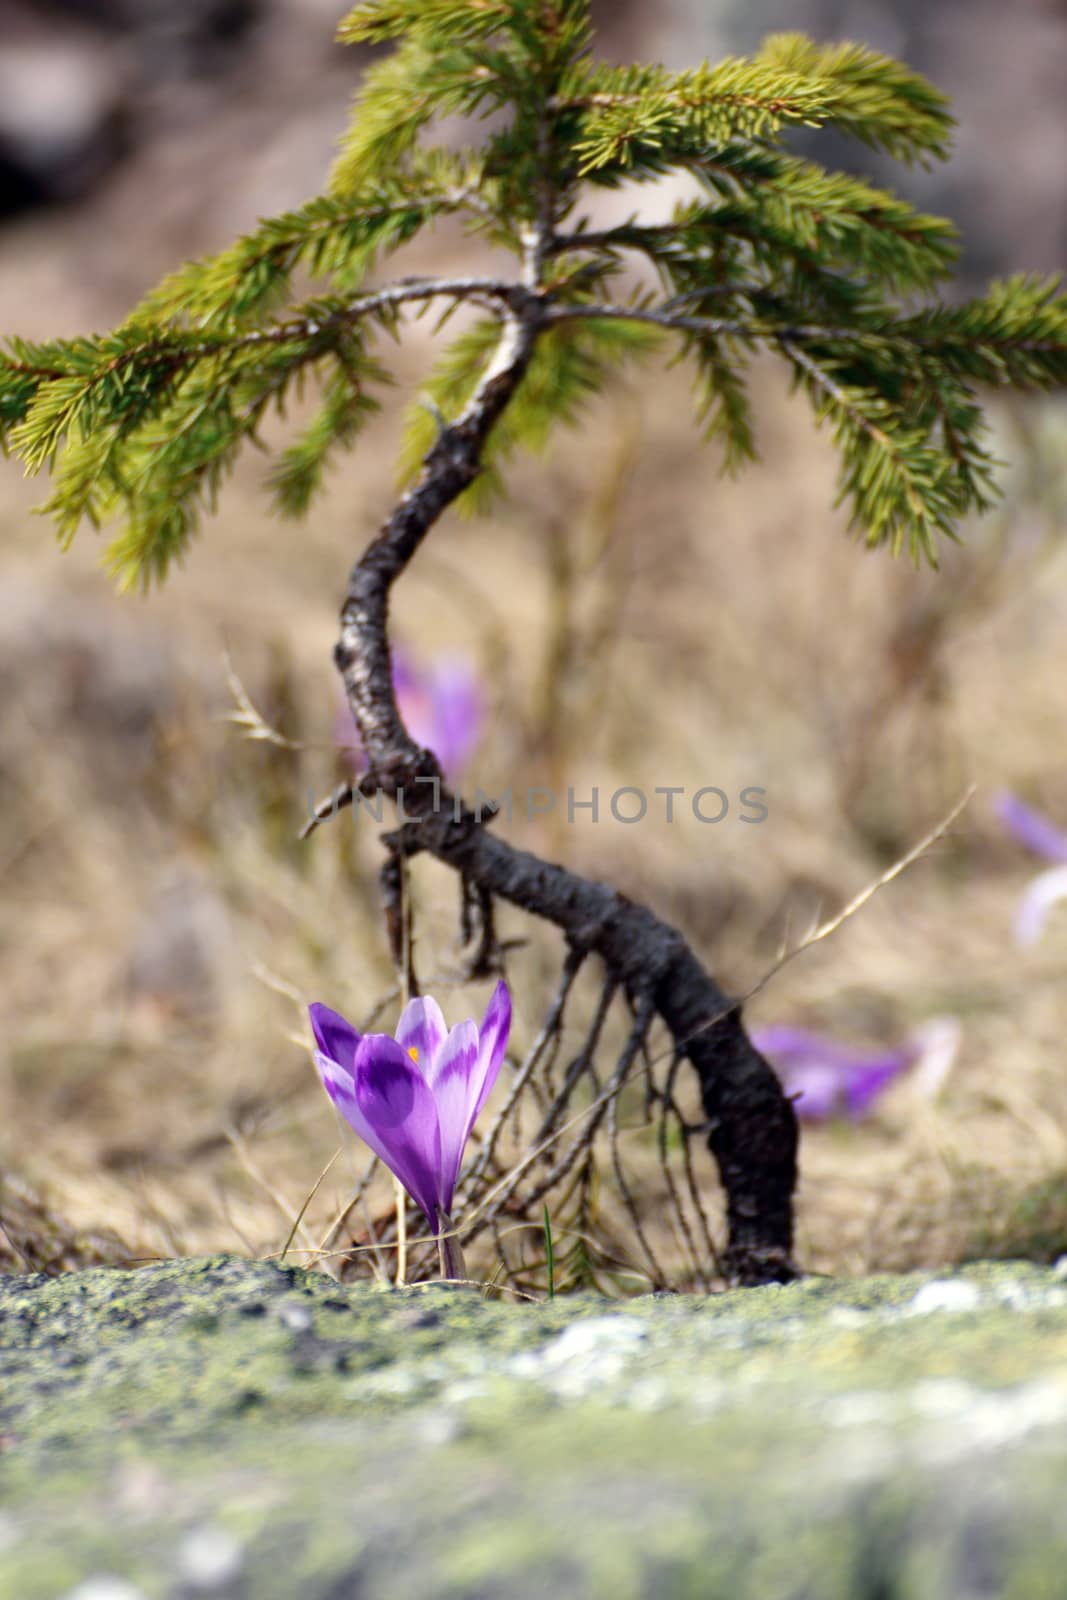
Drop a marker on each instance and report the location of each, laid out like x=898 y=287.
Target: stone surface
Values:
x=238 y=1429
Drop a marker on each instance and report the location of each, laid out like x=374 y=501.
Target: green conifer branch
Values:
x=329 y=237
x=825 y=222
x=647 y=120
x=781 y=255
x=546 y=30
x=300 y=471
x=723 y=404
x=879 y=101
x=148 y=421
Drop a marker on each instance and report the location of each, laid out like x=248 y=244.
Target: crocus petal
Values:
x=1033 y=830
x=391 y=1108
x=458 y=712
x=814 y=1090
x=454 y=1091
x=407 y=679
x=335 y=1037
x=935 y=1045
x=423 y=1029
x=411 y=685
x=492 y=1046
x=441 y=704
x=872 y=1078
x=1046 y=890
x=341 y=1089
x=788 y=1046
x=413 y=1099
x=825 y=1076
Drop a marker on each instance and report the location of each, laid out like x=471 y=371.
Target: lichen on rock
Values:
x=241 y=1428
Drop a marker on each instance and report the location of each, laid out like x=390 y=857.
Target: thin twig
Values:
x=549 y=1028
x=381 y=1264
x=325 y=810
x=493 y=291
x=711 y=327
x=714 y=1256
x=582 y=1062
x=625 y=1191
x=824 y=929
x=822 y=378
x=244 y=1155
x=593 y=1117
x=481 y=947
x=667 y=1106
x=298 y=1219
x=16 y=1248
x=363 y=1184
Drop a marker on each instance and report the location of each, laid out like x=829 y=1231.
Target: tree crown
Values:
x=839 y=278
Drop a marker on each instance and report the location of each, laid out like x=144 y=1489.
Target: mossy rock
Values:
x=252 y=1432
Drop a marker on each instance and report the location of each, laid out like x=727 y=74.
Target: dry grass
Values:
x=640 y=621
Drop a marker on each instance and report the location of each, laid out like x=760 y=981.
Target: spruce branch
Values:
x=879 y=101
x=898 y=483
x=647 y=120
x=152 y=419
x=781 y=254
x=328 y=237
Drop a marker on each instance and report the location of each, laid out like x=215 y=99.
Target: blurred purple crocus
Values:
x=414 y=1098
x=442 y=705
x=1043 y=837
x=828 y=1078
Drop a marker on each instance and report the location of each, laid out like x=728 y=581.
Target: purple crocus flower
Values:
x=1043 y=837
x=414 y=1098
x=828 y=1078
x=442 y=705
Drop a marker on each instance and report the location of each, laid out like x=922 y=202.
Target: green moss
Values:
x=426 y=1441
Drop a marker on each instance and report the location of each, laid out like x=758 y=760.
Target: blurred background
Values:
x=631 y=618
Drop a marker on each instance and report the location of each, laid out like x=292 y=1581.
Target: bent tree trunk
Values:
x=752 y=1126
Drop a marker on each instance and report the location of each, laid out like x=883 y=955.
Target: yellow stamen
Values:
x=413 y=1052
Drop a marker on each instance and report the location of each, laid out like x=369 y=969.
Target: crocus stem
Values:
x=401 y=1233
x=449 y=1254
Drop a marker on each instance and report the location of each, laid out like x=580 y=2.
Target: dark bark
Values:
x=753 y=1129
